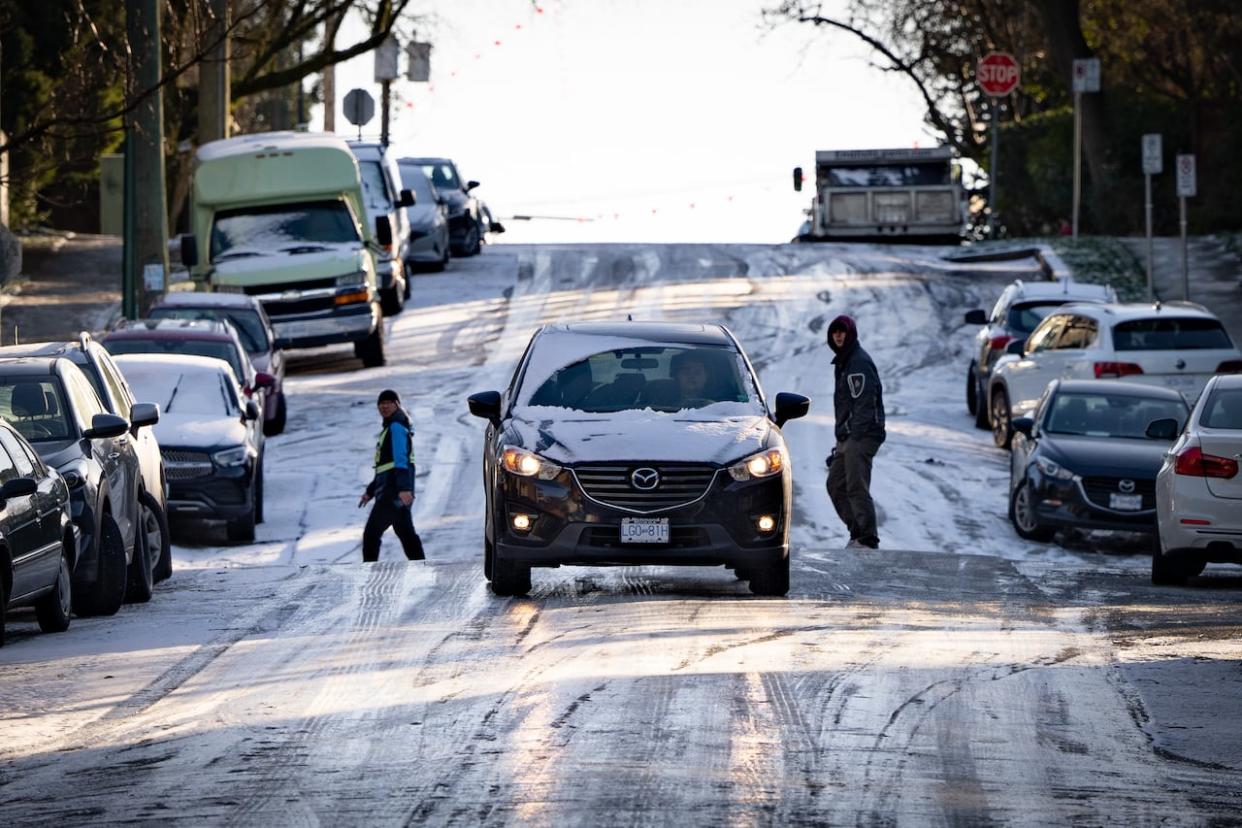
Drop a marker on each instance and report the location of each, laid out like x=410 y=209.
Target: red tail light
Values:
x=1230 y=366
x=1109 y=370
x=1192 y=462
x=998 y=342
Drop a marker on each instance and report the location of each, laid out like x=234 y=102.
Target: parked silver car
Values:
x=1199 y=488
x=429 y=244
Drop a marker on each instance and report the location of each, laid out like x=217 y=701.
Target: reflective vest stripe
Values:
x=380 y=468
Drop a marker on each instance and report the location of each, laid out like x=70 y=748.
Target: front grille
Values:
x=309 y=284
x=185 y=465
x=611 y=485
x=1098 y=489
x=609 y=537
x=279 y=307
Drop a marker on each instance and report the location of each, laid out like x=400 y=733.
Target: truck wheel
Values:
x=371 y=349
x=155 y=524
x=140 y=581
x=277 y=424
x=390 y=301
x=53 y=609
x=108 y=592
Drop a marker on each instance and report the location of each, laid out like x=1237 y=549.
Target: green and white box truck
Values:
x=280 y=216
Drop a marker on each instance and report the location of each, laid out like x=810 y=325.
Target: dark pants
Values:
x=849 y=488
x=384 y=514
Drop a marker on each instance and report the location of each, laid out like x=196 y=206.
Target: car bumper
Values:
x=569 y=527
x=223 y=495
x=1215 y=533
x=1065 y=503
x=349 y=323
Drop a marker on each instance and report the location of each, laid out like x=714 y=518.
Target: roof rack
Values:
x=84 y=339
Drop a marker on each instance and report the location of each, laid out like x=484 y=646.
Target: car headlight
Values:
x=525 y=463
x=74 y=472
x=763 y=464
x=231 y=457
x=1053 y=470
x=356 y=278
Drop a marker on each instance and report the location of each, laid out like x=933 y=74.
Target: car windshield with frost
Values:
x=308 y=227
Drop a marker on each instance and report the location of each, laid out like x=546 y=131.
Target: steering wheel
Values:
x=45 y=431
x=696 y=402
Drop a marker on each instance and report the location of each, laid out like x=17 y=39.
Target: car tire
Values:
x=488 y=557
x=771 y=579
x=108 y=593
x=1172 y=571
x=407 y=290
x=472 y=243
x=972 y=390
x=140 y=576
x=4 y=608
x=509 y=577
x=277 y=423
x=391 y=303
x=155 y=524
x=1000 y=413
x=1022 y=516
x=241 y=530
x=371 y=349
x=258 y=493
x=53 y=610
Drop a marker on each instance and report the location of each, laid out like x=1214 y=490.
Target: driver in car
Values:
x=691 y=371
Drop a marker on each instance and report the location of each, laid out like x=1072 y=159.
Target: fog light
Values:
x=766 y=523
x=521 y=523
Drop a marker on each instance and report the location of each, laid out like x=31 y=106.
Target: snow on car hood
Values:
x=718 y=433
x=197 y=431
x=337 y=260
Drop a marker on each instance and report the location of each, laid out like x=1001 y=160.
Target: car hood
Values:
x=423 y=215
x=285 y=267
x=195 y=431
x=1106 y=456
x=455 y=200
x=720 y=433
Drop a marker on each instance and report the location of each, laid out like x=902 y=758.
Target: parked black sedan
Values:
x=636 y=443
x=38 y=545
x=1086 y=459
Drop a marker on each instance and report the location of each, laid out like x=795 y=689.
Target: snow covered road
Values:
x=957 y=675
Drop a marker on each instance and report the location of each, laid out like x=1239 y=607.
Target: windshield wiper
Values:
x=305 y=248
x=239 y=253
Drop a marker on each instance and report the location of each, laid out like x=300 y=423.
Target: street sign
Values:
x=386 y=57
x=418 y=62
x=1153 y=155
x=1087 y=75
x=998 y=73
x=359 y=107
x=1186 y=176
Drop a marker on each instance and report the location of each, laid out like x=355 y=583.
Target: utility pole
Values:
x=214 y=99
x=146 y=226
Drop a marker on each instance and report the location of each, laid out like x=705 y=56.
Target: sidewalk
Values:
x=68 y=285
x=1215 y=275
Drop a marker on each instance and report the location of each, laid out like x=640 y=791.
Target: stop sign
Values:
x=998 y=73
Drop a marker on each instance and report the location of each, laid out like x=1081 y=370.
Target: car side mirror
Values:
x=18 y=487
x=407 y=198
x=264 y=380
x=143 y=414
x=470 y=185
x=486 y=405
x=790 y=407
x=496 y=227
x=383 y=231
x=251 y=411
x=104 y=426
x=976 y=317
x=797 y=178
x=1017 y=347
x=189 y=250
x=1023 y=425
x=1163 y=429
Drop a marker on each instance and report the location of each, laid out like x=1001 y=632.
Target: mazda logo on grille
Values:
x=1181 y=363
x=644 y=479
x=1126 y=486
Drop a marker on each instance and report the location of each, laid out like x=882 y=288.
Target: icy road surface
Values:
x=957 y=675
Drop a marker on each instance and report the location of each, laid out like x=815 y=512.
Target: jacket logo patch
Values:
x=857 y=383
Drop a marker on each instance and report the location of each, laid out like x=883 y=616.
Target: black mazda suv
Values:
x=636 y=443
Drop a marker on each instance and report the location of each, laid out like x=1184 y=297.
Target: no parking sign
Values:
x=1186 y=182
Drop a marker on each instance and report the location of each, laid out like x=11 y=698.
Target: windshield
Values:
x=1224 y=409
x=412 y=178
x=1026 y=317
x=197 y=347
x=1110 y=415
x=247 y=322
x=374 y=186
x=655 y=377
x=1170 y=334
x=36 y=408
x=259 y=231
x=442 y=176
x=194 y=393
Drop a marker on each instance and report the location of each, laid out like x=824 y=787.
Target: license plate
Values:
x=644 y=530
x=1125 y=502
x=1180 y=382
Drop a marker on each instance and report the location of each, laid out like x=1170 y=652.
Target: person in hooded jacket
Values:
x=392 y=488
x=858 y=401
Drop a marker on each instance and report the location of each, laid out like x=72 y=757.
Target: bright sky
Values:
x=641 y=120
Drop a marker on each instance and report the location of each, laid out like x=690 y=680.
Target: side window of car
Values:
x=8 y=470
x=1002 y=307
x=18 y=456
x=1079 y=332
x=1045 y=336
x=116 y=386
x=86 y=402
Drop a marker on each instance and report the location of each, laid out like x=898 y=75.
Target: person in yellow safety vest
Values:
x=392 y=489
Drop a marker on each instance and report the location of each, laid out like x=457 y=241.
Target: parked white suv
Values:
x=1178 y=345
x=384 y=196
x=1199 y=488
